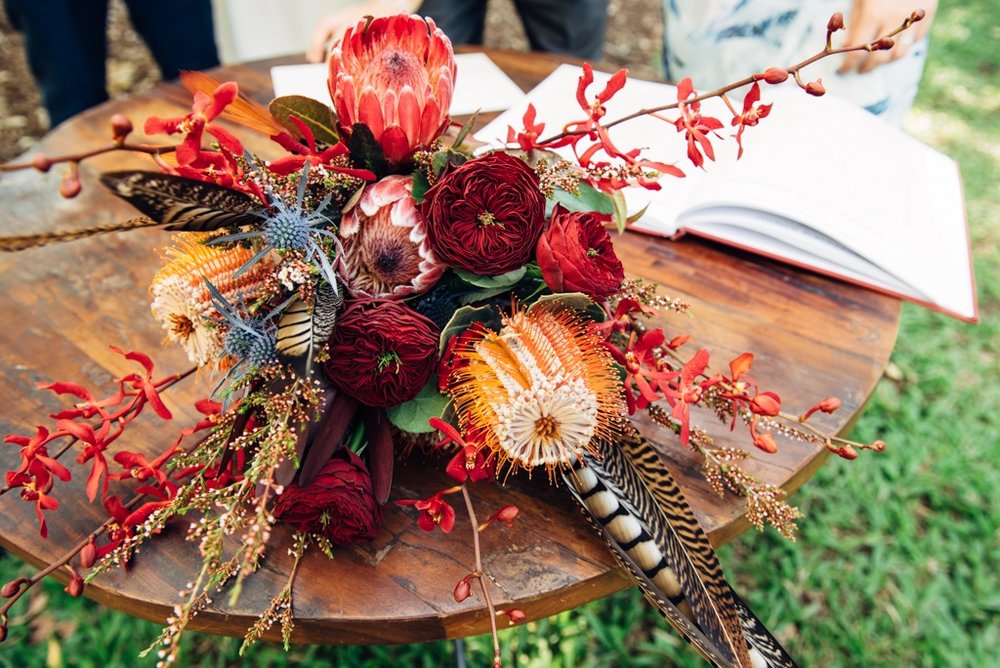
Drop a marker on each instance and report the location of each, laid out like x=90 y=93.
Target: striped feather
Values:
x=677 y=536
x=26 y=241
x=602 y=509
x=693 y=543
x=303 y=328
x=181 y=203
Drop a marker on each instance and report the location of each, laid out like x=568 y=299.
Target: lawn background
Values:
x=898 y=556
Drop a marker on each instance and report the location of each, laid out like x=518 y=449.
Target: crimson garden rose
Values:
x=486 y=215
x=576 y=255
x=338 y=503
x=382 y=352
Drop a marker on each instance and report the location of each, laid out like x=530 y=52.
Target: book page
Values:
x=820 y=161
x=836 y=168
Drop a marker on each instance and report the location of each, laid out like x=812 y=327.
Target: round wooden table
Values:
x=63 y=305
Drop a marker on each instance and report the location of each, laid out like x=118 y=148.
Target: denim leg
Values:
x=573 y=27
x=66 y=44
x=461 y=20
x=179 y=33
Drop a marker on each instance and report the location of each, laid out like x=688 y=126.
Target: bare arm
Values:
x=871 y=18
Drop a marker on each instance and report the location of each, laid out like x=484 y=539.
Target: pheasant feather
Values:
x=647 y=522
x=181 y=203
x=694 y=544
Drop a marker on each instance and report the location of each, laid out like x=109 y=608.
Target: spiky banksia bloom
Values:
x=181 y=298
x=386 y=252
x=396 y=75
x=540 y=390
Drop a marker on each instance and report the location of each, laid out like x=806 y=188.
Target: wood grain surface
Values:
x=63 y=305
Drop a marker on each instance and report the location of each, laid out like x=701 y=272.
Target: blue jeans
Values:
x=573 y=27
x=66 y=43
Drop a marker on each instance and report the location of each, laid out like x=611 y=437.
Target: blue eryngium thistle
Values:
x=288 y=227
x=249 y=340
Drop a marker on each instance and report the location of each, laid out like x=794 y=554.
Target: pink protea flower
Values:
x=386 y=253
x=396 y=75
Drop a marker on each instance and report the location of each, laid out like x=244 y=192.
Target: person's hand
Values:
x=870 y=19
x=332 y=26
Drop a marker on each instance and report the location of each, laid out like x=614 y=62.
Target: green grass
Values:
x=898 y=555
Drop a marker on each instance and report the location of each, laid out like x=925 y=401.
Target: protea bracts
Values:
x=396 y=75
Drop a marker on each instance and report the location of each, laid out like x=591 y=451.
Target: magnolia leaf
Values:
x=588 y=198
x=318 y=116
x=507 y=280
x=464 y=318
x=576 y=301
x=366 y=152
x=412 y=416
x=420 y=187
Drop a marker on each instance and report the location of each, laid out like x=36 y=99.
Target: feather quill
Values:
x=26 y=241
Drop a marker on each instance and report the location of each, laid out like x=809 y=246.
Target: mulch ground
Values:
x=633 y=40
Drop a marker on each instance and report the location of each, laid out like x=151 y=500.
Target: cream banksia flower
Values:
x=396 y=75
x=181 y=298
x=540 y=390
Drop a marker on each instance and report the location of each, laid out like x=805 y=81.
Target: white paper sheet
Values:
x=479 y=85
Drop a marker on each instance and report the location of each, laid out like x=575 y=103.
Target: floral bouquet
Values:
x=383 y=287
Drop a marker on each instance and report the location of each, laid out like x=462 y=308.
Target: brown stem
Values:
x=73 y=551
x=718 y=92
x=497 y=659
x=154 y=151
x=63 y=560
x=164 y=384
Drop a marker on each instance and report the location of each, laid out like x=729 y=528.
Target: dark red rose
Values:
x=338 y=503
x=486 y=215
x=382 y=352
x=576 y=255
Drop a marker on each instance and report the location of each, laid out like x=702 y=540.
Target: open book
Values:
x=822 y=184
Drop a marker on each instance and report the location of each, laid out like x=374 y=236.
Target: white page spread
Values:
x=892 y=208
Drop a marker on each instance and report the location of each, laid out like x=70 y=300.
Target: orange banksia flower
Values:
x=181 y=298
x=540 y=390
x=396 y=75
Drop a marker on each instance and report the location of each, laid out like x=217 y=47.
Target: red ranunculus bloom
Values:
x=382 y=352
x=486 y=216
x=338 y=503
x=576 y=255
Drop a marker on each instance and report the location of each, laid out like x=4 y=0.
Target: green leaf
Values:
x=466 y=129
x=318 y=116
x=420 y=187
x=463 y=319
x=576 y=301
x=588 y=199
x=507 y=280
x=366 y=152
x=621 y=217
x=413 y=415
x=439 y=161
